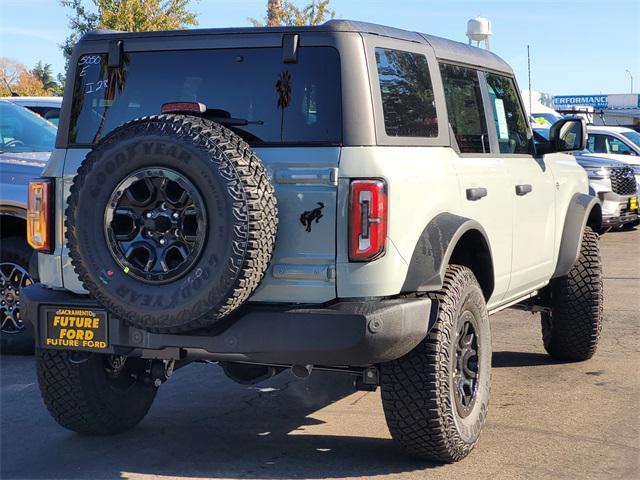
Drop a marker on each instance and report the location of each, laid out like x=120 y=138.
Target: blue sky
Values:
x=577 y=46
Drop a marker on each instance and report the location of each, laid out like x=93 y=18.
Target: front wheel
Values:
x=94 y=394
x=436 y=397
x=571 y=329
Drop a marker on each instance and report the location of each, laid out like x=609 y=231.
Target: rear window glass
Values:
x=407 y=95
x=249 y=90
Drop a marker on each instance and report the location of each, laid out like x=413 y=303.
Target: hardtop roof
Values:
x=444 y=49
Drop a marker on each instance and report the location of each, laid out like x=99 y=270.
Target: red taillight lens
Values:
x=367 y=220
x=39 y=218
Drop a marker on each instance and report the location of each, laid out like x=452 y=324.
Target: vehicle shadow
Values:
x=522 y=359
x=204 y=426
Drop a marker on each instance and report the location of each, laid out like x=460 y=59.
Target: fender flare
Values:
x=579 y=211
x=433 y=251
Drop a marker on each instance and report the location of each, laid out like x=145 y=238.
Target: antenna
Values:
x=479 y=30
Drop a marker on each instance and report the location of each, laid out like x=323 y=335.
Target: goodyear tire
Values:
x=171 y=222
x=571 y=330
x=93 y=394
x=436 y=397
x=16 y=335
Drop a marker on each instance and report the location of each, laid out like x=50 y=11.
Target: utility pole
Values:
x=529 y=72
x=630 y=78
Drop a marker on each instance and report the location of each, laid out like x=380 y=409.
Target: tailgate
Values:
x=303 y=264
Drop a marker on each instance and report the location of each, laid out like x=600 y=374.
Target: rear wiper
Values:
x=214 y=114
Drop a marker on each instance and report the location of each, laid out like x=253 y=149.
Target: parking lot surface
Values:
x=547 y=419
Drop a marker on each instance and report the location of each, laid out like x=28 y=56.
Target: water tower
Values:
x=479 y=30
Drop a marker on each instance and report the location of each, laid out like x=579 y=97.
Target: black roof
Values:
x=444 y=49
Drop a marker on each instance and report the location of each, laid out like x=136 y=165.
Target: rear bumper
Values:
x=343 y=334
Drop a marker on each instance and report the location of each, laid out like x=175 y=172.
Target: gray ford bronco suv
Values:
x=347 y=197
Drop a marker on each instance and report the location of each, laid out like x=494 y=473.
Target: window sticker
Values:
x=503 y=130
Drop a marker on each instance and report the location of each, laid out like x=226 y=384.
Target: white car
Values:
x=47 y=107
x=613 y=140
x=632 y=160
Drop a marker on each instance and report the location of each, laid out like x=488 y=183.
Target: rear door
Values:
x=484 y=179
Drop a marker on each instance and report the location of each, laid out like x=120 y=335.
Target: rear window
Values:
x=265 y=100
x=407 y=95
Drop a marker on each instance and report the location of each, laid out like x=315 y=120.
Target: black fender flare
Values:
x=433 y=251
x=580 y=210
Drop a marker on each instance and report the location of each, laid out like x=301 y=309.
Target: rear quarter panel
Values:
x=421 y=184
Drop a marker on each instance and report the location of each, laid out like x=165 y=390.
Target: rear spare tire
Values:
x=171 y=222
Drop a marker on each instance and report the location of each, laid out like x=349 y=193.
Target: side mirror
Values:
x=566 y=135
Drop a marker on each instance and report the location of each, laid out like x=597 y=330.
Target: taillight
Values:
x=183 y=107
x=367 y=220
x=39 y=215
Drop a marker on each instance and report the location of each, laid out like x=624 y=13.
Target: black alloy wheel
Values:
x=466 y=372
x=155 y=224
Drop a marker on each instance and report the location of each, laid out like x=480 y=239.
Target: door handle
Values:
x=523 y=189
x=477 y=193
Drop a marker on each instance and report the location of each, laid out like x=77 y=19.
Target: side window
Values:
x=597 y=143
x=616 y=146
x=465 y=108
x=511 y=123
x=408 y=104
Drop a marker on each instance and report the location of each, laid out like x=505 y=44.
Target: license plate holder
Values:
x=76 y=328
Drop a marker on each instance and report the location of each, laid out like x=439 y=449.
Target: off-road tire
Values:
x=240 y=230
x=571 y=330
x=417 y=389
x=81 y=396
x=16 y=250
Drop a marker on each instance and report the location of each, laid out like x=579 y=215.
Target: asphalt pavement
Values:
x=547 y=419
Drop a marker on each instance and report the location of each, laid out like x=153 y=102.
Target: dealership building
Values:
x=620 y=109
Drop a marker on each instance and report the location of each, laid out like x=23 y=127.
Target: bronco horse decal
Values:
x=308 y=217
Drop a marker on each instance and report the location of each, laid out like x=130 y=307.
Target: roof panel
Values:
x=444 y=49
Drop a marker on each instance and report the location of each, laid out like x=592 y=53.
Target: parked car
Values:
x=612 y=181
x=632 y=160
x=399 y=173
x=47 y=107
x=26 y=141
x=613 y=140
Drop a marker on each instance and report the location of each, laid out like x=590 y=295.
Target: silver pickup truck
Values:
x=26 y=141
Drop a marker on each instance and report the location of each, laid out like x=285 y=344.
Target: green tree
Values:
x=127 y=15
x=43 y=72
x=285 y=12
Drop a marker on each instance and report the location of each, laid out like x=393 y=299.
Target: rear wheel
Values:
x=16 y=335
x=436 y=397
x=571 y=330
x=94 y=394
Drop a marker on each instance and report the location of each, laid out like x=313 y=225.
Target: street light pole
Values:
x=631 y=78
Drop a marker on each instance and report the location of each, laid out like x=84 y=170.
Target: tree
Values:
x=285 y=12
x=16 y=79
x=127 y=15
x=43 y=73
